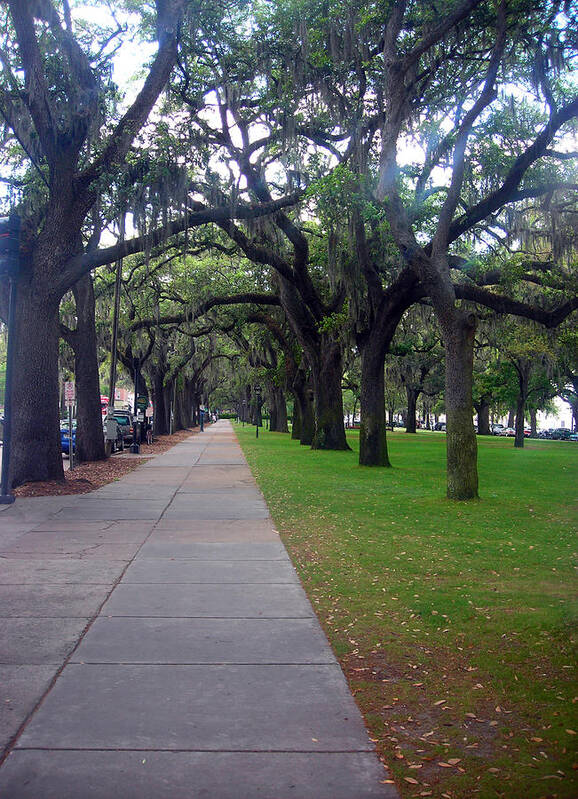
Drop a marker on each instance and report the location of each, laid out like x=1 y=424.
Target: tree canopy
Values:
x=291 y=183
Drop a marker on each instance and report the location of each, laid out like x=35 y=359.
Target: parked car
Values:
x=496 y=429
x=546 y=433
x=507 y=431
x=440 y=426
x=124 y=419
x=561 y=434
x=65 y=437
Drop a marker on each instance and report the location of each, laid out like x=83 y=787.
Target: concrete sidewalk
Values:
x=155 y=642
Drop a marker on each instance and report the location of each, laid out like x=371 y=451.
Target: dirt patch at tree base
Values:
x=86 y=477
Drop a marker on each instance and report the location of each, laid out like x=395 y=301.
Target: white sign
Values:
x=69 y=393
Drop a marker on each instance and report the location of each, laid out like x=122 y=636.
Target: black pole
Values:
x=135 y=449
x=257 y=410
x=116 y=309
x=6 y=498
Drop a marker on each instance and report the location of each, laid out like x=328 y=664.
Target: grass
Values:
x=454 y=622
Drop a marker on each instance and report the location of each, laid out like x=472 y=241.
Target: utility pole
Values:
x=117 y=281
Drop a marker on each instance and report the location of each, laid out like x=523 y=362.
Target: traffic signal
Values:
x=9 y=245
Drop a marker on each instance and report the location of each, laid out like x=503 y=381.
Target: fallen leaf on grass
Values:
x=439 y=702
x=571 y=732
x=454 y=761
x=411 y=780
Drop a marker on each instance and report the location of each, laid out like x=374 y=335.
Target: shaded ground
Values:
x=86 y=477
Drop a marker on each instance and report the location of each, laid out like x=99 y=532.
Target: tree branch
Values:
x=86 y=262
x=487 y=95
x=169 y=14
x=506 y=305
x=235 y=299
x=507 y=191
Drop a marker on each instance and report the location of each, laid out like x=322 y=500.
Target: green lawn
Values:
x=454 y=622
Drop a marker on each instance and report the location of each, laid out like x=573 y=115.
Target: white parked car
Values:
x=507 y=431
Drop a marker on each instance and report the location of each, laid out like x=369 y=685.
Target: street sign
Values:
x=142 y=402
x=69 y=393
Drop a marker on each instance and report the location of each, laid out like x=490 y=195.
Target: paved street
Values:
x=155 y=642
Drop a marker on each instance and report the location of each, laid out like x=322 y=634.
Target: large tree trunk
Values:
x=323 y=356
x=246 y=405
x=89 y=435
x=296 y=420
x=520 y=407
x=307 y=419
x=160 y=421
x=303 y=401
x=462 y=449
x=372 y=433
x=168 y=395
x=328 y=402
x=36 y=451
x=483 y=411
x=523 y=369
x=179 y=410
x=533 y=422
x=411 y=419
x=272 y=408
x=278 y=411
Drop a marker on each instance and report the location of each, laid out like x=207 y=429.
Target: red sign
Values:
x=69 y=393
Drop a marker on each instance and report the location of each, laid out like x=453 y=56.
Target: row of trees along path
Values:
x=326 y=150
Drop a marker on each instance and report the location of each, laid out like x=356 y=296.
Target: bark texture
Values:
x=372 y=432
x=89 y=434
x=461 y=443
x=36 y=451
x=483 y=411
x=412 y=395
x=327 y=372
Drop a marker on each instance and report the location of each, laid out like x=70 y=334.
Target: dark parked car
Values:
x=440 y=426
x=545 y=433
x=124 y=419
x=561 y=434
